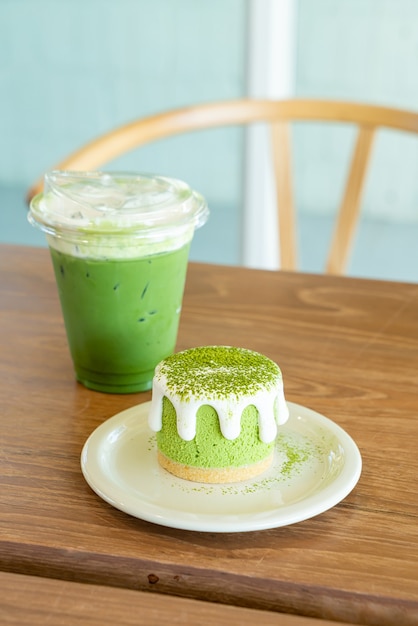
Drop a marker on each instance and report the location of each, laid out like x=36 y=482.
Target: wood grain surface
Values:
x=36 y=601
x=348 y=348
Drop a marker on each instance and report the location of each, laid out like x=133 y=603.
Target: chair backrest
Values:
x=278 y=115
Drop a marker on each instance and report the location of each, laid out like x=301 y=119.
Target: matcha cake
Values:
x=215 y=410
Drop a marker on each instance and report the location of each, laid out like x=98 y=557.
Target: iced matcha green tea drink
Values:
x=119 y=245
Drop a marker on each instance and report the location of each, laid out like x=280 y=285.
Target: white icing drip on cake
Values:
x=229 y=410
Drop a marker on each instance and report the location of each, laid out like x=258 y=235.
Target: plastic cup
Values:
x=119 y=244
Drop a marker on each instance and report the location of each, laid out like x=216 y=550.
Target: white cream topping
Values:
x=229 y=410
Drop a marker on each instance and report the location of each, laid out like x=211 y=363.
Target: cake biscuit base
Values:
x=215 y=475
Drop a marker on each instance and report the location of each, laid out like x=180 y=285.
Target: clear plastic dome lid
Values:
x=116 y=203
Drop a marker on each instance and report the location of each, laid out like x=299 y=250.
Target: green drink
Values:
x=130 y=311
x=120 y=272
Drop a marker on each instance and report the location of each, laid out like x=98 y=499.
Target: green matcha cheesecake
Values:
x=216 y=411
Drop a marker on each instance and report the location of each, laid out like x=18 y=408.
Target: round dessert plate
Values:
x=316 y=465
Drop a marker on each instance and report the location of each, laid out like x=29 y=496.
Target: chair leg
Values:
x=348 y=215
x=282 y=156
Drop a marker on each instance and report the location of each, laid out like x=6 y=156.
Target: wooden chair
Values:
x=278 y=115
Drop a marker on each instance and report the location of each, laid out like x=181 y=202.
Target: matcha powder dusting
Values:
x=219 y=372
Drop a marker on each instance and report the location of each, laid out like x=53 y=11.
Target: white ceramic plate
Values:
x=316 y=465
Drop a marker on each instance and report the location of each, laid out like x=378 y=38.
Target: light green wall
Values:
x=365 y=50
x=72 y=69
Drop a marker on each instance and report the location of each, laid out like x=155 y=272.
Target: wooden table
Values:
x=348 y=349
x=36 y=601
